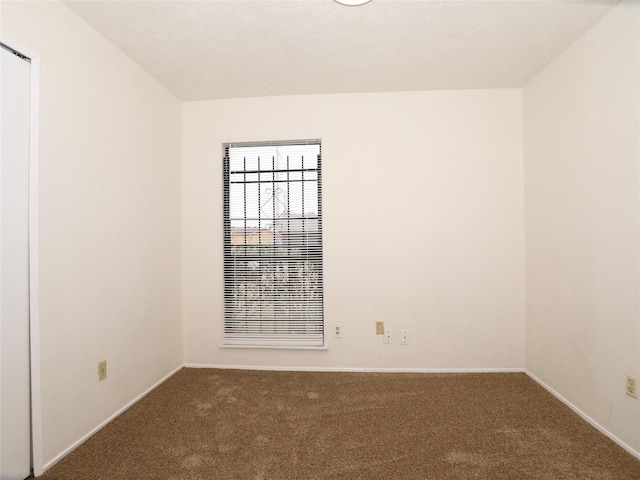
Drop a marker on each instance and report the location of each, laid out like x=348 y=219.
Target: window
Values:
x=273 y=293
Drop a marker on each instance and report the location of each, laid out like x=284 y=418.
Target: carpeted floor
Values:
x=207 y=424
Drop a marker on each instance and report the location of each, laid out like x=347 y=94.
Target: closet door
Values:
x=15 y=396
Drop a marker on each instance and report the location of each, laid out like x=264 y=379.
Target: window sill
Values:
x=278 y=347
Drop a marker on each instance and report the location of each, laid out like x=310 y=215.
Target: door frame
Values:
x=34 y=256
x=34 y=270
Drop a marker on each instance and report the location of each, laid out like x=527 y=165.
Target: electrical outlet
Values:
x=337 y=330
x=102 y=370
x=404 y=337
x=632 y=386
x=388 y=335
x=379 y=328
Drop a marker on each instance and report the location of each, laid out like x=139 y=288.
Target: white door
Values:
x=15 y=421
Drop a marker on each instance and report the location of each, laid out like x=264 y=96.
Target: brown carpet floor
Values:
x=231 y=424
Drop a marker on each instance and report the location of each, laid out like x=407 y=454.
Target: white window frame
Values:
x=273 y=259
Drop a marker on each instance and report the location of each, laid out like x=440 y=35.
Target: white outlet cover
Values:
x=337 y=330
x=388 y=335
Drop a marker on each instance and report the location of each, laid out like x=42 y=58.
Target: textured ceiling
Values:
x=243 y=48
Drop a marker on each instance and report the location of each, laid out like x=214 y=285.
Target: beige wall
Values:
x=441 y=168
x=581 y=150
x=109 y=222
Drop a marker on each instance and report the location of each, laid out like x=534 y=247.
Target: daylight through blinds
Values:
x=273 y=245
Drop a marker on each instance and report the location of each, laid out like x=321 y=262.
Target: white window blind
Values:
x=273 y=289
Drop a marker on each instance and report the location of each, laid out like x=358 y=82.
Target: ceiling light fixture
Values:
x=352 y=3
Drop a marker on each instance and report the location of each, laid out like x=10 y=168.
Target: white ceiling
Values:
x=242 y=48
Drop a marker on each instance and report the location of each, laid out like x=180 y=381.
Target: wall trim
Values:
x=583 y=415
x=356 y=369
x=86 y=437
x=34 y=271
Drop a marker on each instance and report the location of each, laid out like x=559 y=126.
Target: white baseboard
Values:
x=112 y=417
x=584 y=416
x=356 y=369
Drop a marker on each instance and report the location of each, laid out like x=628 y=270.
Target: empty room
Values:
x=320 y=239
